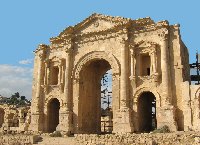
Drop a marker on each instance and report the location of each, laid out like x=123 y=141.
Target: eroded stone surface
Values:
x=147 y=59
x=14 y=119
x=149 y=63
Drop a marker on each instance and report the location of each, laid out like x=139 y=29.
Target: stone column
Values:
x=154 y=63
x=122 y=123
x=67 y=80
x=66 y=113
x=166 y=113
x=124 y=79
x=165 y=67
x=60 y=72
x=76 y=88
x=62 y=77
x=38 y=90
x=37 y=120
x=133 y=63
x=46 y=77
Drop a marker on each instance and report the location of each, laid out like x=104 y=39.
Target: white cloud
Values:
x=15 y=79
x=26 y=61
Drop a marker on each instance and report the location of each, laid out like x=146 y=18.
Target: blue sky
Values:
x=25 y=24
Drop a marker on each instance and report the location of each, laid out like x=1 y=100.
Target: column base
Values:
x=187 y=119
x=166 y=116
x=37 y=122
x=122 y=123
x=65 y=119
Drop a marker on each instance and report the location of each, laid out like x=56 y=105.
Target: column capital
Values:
x=68 y=50
x=163 y=34
x=132 y=52
x=123 y=40
x=41 y=56
x=132 y=77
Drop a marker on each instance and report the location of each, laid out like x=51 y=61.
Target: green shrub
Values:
x=55 y=134
x=164 y=129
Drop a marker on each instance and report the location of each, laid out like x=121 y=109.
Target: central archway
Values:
x=147 y=112
x=89 y=106
x=53 y=114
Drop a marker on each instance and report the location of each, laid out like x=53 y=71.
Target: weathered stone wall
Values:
x=14 y=118
x=140 y=139
x=180 y=138
x=126 y=45
x=19 y=139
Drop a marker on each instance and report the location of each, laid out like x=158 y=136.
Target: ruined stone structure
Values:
x=150 y=74
x=13 y=118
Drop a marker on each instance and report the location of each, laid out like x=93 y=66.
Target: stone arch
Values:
x=136 y=96
x=51 y=97
x=142 y=90
x=86 y=63
x=96 y=55
x=146 y=112
x=2 y=115
x=53 y=107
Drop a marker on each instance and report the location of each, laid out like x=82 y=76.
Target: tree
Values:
x=18 y=100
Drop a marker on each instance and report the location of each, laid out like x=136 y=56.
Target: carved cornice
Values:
x=96 y=36
x=146 y=47
x=136 y=29
x=138 y=24
x=41 y=47
x=70 y=36
x=62 y=40
x=63 y=43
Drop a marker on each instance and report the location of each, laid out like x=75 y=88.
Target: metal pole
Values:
x=197 y=65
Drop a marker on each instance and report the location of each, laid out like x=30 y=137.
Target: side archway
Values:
x=142 y=90
x=146 y=112
x=53 y=108
x=145 y=103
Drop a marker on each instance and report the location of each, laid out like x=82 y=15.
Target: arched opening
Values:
x=2 y=113
x=89 y=106
x=53 y=114
x=147 y=112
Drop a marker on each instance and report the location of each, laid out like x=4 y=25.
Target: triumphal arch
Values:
x=150 y=77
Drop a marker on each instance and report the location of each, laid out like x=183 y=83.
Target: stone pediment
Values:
x=96 y=23
x=95 y=26
x=103 y=23
x=146 y=47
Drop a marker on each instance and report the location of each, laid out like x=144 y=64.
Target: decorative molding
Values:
x=70 y=35
x=100 y=35
x=141 y=90
x=96 y=55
